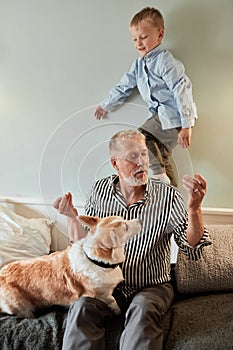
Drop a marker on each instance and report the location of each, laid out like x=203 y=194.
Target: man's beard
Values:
x=133 y=181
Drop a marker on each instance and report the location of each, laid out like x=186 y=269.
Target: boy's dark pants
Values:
x=160 y=144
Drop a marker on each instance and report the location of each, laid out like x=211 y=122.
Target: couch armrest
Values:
x=213 y=272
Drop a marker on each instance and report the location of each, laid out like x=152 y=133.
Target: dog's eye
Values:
x=126 y=227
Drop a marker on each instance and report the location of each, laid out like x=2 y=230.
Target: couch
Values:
x=201 y=317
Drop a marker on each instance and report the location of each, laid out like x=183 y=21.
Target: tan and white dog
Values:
x=88 y=268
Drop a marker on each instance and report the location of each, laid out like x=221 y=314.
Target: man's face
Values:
x=146 y=37
x=132 y=162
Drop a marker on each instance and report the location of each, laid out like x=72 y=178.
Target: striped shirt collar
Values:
x=116 y=190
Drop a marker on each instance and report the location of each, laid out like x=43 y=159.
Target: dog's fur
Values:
x=62 y=277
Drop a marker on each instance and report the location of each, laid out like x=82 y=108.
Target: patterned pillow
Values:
x=213 y=272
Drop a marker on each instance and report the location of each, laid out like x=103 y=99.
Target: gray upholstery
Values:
x=201 y=317
x=214 y=271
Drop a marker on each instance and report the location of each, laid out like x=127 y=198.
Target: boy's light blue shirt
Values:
x=163 y=85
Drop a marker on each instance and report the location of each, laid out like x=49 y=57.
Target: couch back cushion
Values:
x=22 y=238
x=213 y=272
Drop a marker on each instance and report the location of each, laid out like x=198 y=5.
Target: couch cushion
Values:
x=22 y=238
x=45 y=332
x=201 y=323
x=214 y=270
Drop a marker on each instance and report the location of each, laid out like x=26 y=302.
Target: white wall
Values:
x=58 y=59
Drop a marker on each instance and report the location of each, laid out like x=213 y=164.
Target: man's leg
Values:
x=85 y=327
x=143 y=320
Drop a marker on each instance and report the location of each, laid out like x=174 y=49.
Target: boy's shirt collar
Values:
x=153 y=53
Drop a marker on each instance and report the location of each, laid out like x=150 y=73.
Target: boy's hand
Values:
x=65 y=206
x=100 y=113
x=184 y=137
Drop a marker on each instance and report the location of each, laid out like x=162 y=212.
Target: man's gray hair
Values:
x=115 y=141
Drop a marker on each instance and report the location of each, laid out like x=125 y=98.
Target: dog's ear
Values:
x=116 y=243
x=109 y=240
x=90 y=221
x=114 y=239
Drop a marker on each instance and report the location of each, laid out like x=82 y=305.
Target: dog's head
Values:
x=107 y=236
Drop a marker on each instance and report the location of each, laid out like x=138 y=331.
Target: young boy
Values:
x=164 y=86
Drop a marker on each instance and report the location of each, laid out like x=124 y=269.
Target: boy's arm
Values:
x=118 y=93
x=184 y=137
x=173 y=74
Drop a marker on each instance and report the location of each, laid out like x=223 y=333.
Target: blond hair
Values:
x=150 y=14
x=115 y=143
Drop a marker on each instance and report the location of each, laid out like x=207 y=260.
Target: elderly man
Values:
x=146 y=293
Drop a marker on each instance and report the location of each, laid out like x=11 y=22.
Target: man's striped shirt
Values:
x=163 y=212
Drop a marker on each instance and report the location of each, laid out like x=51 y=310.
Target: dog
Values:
x=90 y=267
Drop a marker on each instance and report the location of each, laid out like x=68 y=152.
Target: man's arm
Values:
x=65 y=206
x=196 y=187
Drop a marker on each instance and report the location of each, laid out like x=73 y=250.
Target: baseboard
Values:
x=218 y=216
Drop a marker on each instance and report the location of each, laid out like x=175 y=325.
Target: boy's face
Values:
x=146 y=37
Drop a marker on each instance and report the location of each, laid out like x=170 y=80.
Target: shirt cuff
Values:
x=187 y=123
x=195 y=253
x=106 y=106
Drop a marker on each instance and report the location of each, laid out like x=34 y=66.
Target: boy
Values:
x=163 y=85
